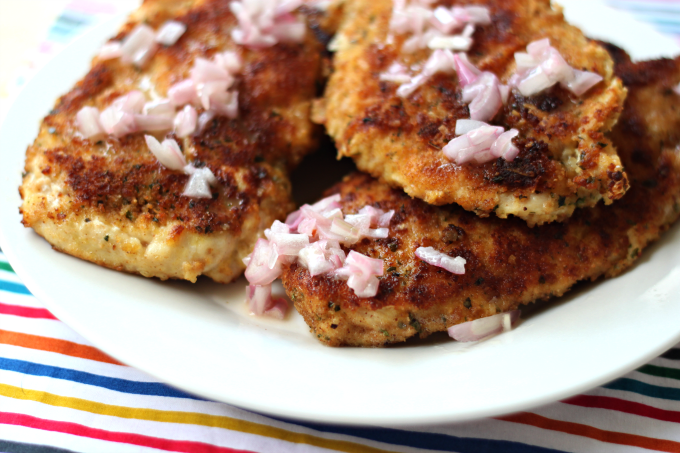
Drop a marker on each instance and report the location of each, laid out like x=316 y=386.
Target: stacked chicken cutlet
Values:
x=172 y=155
x=505 y=157
x=498 y=148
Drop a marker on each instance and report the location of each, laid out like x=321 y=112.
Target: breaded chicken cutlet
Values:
x=508 y=263
x=565 y=160
x=111 y=202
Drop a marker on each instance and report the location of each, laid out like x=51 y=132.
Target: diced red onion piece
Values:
x=444 y=20
x=439 y=61
x=110 y=50
x=183 y=92
x=277 y=227
x=168 y=153
x=259 y=298
x=307 y=226
x=484 y=327
x=278 y=309
x=161 y=107
x=467 y=72
x=87 y=120
x=556 y=67
x=170 y=32
x=503 y=146
x=116 y=122
x=203 y=120
x=543 y=66
x=484 y=96
x=331 y=202
x=363 y=287
x=225 y=104
x=229 y=60
x=289 y=244
x=534 y=82
x=345 y=230
x=538 y=48
x=314 y=259
x=677 y=89
x=153 y=123
x=396 y=73
x=138 y=44
x=465 y=126
x=431 y=256
x=258 y=271
x=583 y=81
x=478 y=15
x=294 y=32
x=185 y=121
x=207 y=71
x=199 y=183
x=294 y=219
x=368 y=266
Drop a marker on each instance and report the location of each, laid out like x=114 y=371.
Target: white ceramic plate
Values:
x=199 y=337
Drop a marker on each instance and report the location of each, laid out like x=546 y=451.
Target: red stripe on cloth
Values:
x=25 y=312
x=629 y=407
x=578 y=429
x=10 y=418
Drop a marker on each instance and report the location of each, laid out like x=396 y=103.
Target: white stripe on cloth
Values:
x=667 y=405
x=517 y=432
x=611 y=420
x=50 y=328
x=667 y=363
x=22 y=300
x=655 y=380
x=163 y=430
x=9 y=277
x=72 y=442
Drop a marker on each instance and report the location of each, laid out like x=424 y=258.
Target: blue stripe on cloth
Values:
x=13 y=287
x=429 y=441
x=18 y=447
x=655 y=391
x=116 y=384
x=673 y=354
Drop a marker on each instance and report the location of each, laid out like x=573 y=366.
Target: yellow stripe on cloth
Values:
x=189 y=418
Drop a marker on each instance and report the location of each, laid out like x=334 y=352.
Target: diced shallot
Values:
x=168 y=153
x=542 y=66
x=170 y=32
x=185 y=121
x=87 y=120
x=480 y=143
x=258 y=271
x=259 y=298
x=110 y=50
x=440 y=61
x=484 y=327
x=138 y=46
x=484 y=97
x=431 y=256
x=199 y=182
x=264 y=23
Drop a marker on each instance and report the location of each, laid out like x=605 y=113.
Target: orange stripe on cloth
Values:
x=64 y=347
x=578 y=429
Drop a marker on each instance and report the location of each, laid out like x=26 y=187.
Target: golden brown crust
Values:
x=565 y=159
x=508 y=263
x=116 y=188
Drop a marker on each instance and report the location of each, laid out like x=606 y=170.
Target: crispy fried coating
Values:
x=565 y=160
x=508 y=263
x=112 y=203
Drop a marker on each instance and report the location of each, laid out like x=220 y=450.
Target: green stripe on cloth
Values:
x=660 y=371
x=6 y=267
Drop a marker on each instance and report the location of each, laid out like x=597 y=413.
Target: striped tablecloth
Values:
x=58 y=393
